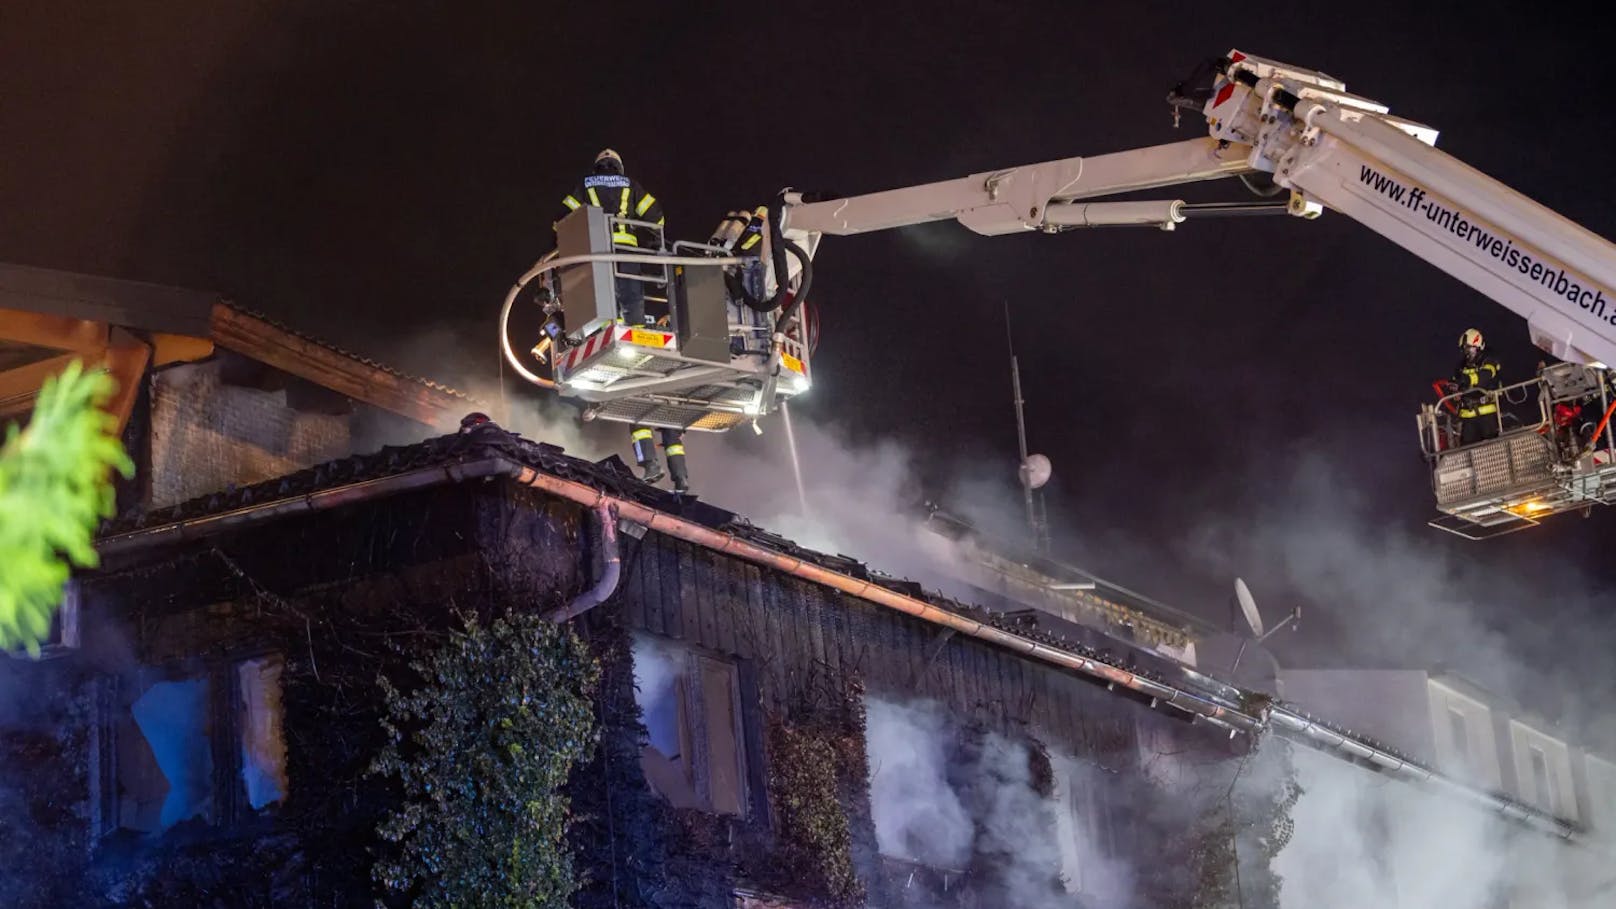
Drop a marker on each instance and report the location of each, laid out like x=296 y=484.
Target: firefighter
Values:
x=1477 y=381
x=609 y=188
x=618 y=194
x=672 y=445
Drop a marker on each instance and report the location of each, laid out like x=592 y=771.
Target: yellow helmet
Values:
x=608 y=161
x=1471 y=338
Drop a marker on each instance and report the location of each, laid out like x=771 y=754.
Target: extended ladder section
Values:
x=1350 y=154
x=1330 y=149
x=1552 y=450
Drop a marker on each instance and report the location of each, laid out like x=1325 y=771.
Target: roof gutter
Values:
x=1220 y=711
x=1302 y=728
x=322 y=500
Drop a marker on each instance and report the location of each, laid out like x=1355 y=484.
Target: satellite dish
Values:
x=1248 y=606
x=1035 y=471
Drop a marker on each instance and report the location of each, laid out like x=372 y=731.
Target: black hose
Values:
x=803 y=283
x=1261 y=184
x=777 y=252
x=781 y=246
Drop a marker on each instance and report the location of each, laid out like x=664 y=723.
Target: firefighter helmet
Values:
x=1471 y=338
x=608 y=162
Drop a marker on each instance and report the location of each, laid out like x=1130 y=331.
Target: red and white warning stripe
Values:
x=576 y=356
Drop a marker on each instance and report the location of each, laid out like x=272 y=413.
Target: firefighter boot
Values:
x=673 y=445
x=645 y=454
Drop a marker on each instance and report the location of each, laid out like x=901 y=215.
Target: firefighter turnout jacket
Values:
x=618 y=195
x=1477 y=378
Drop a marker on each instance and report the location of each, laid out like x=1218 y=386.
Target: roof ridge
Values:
x=342 y=351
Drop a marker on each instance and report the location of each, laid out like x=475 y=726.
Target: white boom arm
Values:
x=1332 y=150
x=1033 y=197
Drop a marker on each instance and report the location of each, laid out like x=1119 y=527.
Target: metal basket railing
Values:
x=1561 y=383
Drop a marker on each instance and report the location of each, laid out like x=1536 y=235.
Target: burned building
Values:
x=201 y=732
x=212 y=395
x=211 y=735
x=777 y=726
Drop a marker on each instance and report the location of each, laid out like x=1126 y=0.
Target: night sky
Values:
x=371 y=172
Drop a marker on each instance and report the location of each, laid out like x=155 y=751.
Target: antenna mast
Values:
x=1036 y=521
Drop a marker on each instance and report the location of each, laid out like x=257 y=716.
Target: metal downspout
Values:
x=610 y=573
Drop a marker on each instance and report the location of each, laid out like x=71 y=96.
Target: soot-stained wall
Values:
x=339 y=597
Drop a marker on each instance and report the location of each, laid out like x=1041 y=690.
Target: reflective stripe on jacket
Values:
x=617 y=195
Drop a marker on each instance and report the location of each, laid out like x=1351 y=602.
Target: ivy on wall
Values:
x=1238 y=835
x=817 y=768
x=482 y=747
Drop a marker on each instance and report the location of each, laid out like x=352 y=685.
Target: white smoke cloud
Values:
x=1364 y=840
x=1085 y=865
x=656 y=668
x=862 y=501
x=1398 y=595
x=1017 y=823
x=947 y=807
x=917 y=814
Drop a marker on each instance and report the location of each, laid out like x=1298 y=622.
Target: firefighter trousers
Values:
x=645 y=454
x=1478 y=428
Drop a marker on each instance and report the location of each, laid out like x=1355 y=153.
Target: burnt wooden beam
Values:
x=126 y=359
x=19 y=386
x=80 y=336
x=289 y=352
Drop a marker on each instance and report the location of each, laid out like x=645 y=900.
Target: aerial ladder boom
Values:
x=736 y=343
x=1042 y=197
x=1332 y=149
x=1546 y=268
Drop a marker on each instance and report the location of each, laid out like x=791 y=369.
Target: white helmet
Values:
x=608 y=161
x=1471 y=338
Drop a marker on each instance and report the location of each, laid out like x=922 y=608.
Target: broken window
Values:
x=1602 y=797
x=695 y=753
x=165 y=757
x=263 y=749
x=1084 y=835
x=918 y=815
x=169 y=745
x=950 y=798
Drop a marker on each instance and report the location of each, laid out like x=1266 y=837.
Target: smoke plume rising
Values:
x=949 y=799
x=1380 y=593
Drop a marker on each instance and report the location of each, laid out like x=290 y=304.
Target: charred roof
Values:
x=611 y=477
x=55 y=315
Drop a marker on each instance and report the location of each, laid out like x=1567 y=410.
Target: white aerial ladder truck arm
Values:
x=1332 y=149
x=728 y=354
x=1041 y=197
